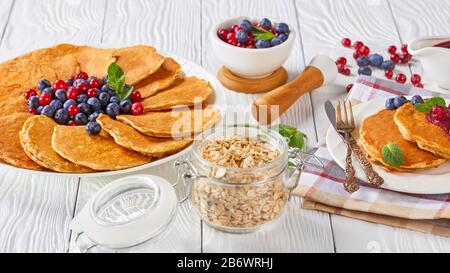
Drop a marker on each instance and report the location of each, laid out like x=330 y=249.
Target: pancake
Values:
x=95 y=152
x=172 y=124
x=36 y=140
x=13 y=105
x=380 y=129
x=95 y=61
x=161 y=79
x=415 y=127
x=138 y=62
x=185 y=92
x=129 y=138
x=11 y=150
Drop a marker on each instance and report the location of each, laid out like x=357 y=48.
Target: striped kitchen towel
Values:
x=322 y=189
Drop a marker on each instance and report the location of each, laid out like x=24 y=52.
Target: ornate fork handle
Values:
x=350 y=183
x=372 y=176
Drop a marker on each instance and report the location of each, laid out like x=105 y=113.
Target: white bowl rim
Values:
x=215 y=38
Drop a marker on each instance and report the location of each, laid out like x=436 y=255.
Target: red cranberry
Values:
x=45 y=99
x=136 y=96
x=73 y=110
x=346 y=42
x=341 y=68
x=137 y=108
x=94 y=83
x=404 y=48
x=236 y=28
x=81 y=75
x=395 y=58
x=73 y=93
x=392 y=49
x=356 y=55
x=364 y=50
x=233 y=42
x=222 y=33
x=92 y=93
x=416 y=78
x=341 y=60
x=400 y=78
x=83 y=87
x=347 y=72
x=29 y=92
x=349 y=87
x=59 y=84
x=357 y=45
x=32 y=111
x=389 y=74
x=418 y=85
x=405 y=58
x=71 y=123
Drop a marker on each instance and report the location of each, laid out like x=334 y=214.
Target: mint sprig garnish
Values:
x=259 y=34
x=429 y=103
x=392 y=154
x=296 y=138
x=116 y=81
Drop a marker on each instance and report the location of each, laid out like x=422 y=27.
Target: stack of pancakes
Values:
x=38 y=142
x=424 y=145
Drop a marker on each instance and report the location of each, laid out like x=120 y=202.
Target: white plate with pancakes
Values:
x=429 y=181
x=216 y=100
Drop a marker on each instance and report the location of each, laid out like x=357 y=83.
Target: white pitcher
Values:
x=434 y=54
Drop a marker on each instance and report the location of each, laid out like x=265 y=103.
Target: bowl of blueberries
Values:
x=252 y=48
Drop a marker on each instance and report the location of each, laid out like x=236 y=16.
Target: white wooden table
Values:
x=35 y=211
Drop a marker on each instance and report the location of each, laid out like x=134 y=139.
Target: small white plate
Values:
x=216 y=100
x=432 y=181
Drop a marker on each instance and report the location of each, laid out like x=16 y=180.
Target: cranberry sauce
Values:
x=445 y=44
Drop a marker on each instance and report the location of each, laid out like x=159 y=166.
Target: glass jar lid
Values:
x=127 y=212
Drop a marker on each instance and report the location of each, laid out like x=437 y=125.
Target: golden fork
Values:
x=346 y=126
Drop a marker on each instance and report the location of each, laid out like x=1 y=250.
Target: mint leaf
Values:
x=436 y=100
x=422 y=107
x=116 y=80
x=392 y=154
x=259 y=34
x=296 y=138
x=126 y=93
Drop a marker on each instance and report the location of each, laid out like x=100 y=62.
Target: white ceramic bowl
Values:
x=251 y=63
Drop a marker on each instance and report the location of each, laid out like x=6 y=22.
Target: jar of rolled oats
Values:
x=240 y=178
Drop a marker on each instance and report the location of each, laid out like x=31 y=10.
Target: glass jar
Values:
x=242 y=200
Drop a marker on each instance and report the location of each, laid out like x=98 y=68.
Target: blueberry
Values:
x=399 y=101
x=93 y=116
x=39 y=110
x=265 y=23
x=275 y=41
x=281 y=28
x=388 y=65
x=105 y=80
x=283 y=37
x=50 y=91
x=69 y=82
x=362 y=61
x=93 y=128
x=94 y=103
x=61 y=94
x=390 y=104
x=263 y=43
x=48 y=110
x=125 y=106
x=85 y=108
x=114 y=99
x=104 y=98
x=56 y=104
x=245 y=24
x=105 y=88
x=113 y=109
x=69 y=103
x=111 y=93
x=62 y=116
x=80 y=119
x=365 y=70
x=76 y=82
x=82 y=98
x=241 y=36
x=33 y=102
x=416 y=99
x=375 y=60
x=42 y=84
